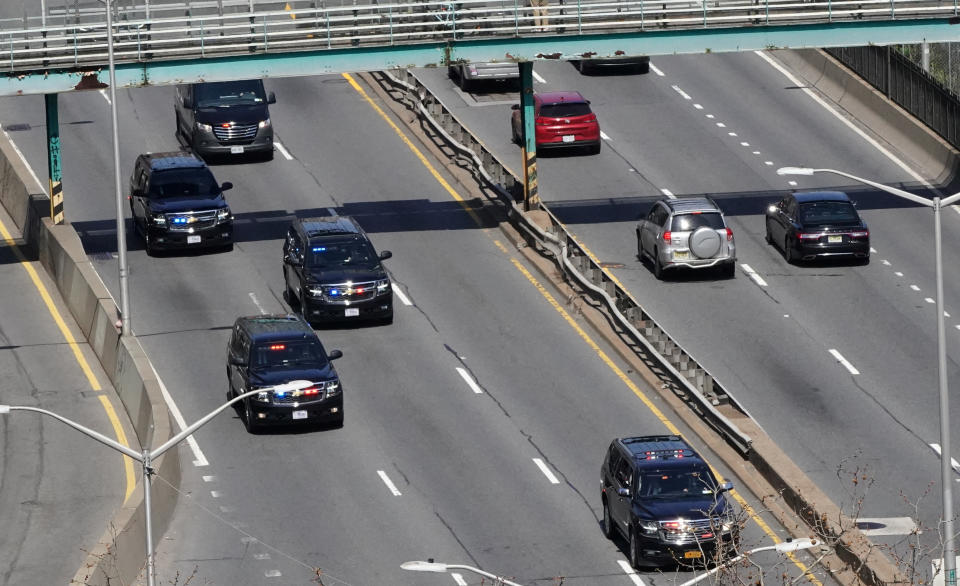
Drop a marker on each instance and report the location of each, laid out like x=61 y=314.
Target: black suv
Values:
x=176 y=203
x=229 y=118
x=331 y=271
x=659 y=494
x=269 y=350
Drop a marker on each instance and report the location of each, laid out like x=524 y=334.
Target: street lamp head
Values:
x=794 y=171
x=424 y=566
x=796 y=544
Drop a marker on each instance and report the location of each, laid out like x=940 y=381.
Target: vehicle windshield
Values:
x=229 y=93
x=828 y=212
x=298 y=353
x=690 y=222
x=195 y=182
x=344 y=253
x=564 y=110
x=671 y=484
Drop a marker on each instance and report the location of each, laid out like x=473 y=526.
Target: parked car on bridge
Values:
x=470 y=75
x=562 y=119
x=818 y=224
x=638 y=63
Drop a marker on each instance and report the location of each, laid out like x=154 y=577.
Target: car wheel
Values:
x=148 y=243
x=634 y=550
x=248 y=420
x=607 y=521
x=338 y=422
x=464 y=83
x=788 y=250
x=768 y=236
x=177 y=134
x=644 y=67
x=288 y=296
x=388 y=320
x=657 y=265
x=304 y=312
x=639 y=247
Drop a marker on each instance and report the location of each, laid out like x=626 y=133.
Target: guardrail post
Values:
x=54 y=169
x=531 y=197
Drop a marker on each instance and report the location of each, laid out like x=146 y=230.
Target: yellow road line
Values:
x=77 y=352
x=573 y=324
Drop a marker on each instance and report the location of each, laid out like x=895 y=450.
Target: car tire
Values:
x=639 y=247
x=338 y=422
x=657 y=265
x=634 y=550
x=788 y=251
x=248 y=421
x=768 y=236
x=288 y=296
x=148 y=245
x=464 y=83
x=607 y=524
x=387 y=320
x=644 y=67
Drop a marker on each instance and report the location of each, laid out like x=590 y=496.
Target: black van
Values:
x=225 y=118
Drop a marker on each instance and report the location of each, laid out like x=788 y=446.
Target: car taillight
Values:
x=591 y=118
x=542 y=121
x=805 y=236
x=666 y=237
x=860 y=234
x=729 y=235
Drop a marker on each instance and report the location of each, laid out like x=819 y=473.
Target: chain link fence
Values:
x=944 y=62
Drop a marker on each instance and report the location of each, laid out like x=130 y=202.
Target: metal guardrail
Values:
x=690 y=381
x=231 y=27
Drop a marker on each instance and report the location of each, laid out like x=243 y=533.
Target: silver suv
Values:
x=686 y=232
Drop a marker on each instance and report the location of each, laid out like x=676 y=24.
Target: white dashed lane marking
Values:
x=546 y=471
x=458 y=578
x=106 y=96
x=537 y=77
x=399 y=293
x=256 y=302
x=272 y=574
x=625 y=566
x=470 y=382
x=604 y=136
x=953 y=463
x=654 y=69
x=390 y=485
x=753 y=274
x=283 y=151
x=198 y=458
x=846 y=364
x=682 y=93
x=915 y=288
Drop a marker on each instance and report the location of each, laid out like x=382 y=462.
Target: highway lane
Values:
x=463 y=462
x=720 y=125
x=49 y=472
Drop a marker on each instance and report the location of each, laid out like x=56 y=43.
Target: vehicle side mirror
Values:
x=515 y=107
x=588 y=102
x=226 y=185
x=136 y=193
x=623 y=492
x=772 y=209
x=188 y=103
x=334 y=354
x=237 y=361
x=385 y=254
x=725 y=487
x=271 y=98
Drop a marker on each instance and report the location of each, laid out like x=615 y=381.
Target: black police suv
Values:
x=332 y=272
x=661 y=496
x=225 y=118
x=269 y=350
x=176 y=203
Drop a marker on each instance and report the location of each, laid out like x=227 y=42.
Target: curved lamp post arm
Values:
x=107 y=441
x=892 y=190
x=443 y=568
x=782 y=547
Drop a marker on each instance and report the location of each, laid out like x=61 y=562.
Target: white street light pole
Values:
x=782 y=547
x=946 y=478
x=147 y=456
x=432 y=566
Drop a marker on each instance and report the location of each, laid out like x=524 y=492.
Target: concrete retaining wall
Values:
x=120 y=554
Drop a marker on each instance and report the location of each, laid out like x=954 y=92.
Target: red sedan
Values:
x=562 y=119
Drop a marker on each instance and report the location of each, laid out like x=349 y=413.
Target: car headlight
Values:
x=383 y=286
x=204 y=127
x=648 y=527
x=332 y=387
x=223 y=215
x=315 y=290
x=159 y=220
x=262 y=396
x=264 y=123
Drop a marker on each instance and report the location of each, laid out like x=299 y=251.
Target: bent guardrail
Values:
x=689 y=381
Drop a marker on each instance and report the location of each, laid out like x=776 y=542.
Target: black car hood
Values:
x=687 y=508
x=238 y=114
x=279 y=376
x=172 y=205
x=344 y=274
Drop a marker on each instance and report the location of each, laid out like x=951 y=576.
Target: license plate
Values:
x=193 y=239
x=303 y=415
x=569 y=138
x=834 y=239
x=691 y=555
x=352 y=312
x=236 y=150
x=681 y=254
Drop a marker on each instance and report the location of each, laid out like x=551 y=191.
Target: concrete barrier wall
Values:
x=120 y=553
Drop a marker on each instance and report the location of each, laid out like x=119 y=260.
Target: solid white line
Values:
x=604 y=136
x=841 y=118
x=953 y=463
x=667 y=193
x=24 y=160
x=625 y=566
x=399 y=293
x=753 y=274
x=458 y=579
x=198 y=458
x=257 y=303
x=537 y=77
x=390 y=485
x=654 y=69
x=546 y=471
x=682 y=93
x=283 y=151
x=470 y=382
x=844 y=362
x=105 y=95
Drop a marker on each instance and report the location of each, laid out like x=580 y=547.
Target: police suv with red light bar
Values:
x=269 y=350
x=662 y=497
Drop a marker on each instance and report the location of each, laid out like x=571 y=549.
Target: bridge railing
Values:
x=231 y=27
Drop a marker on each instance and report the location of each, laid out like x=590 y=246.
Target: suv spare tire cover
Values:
x=704 y=242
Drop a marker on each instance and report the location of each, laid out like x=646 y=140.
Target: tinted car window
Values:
x=675 y=484
x=294 y=353
x=353 y=253
x=828 y=212
x=183 y=183
x=229 y=93
x=564 y=110
x=689 y=222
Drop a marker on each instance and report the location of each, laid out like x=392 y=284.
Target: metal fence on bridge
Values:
x=75 y=36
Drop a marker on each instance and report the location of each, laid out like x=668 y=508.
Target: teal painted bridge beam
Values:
x=561 y=47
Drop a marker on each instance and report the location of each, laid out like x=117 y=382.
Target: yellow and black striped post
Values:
x=53 y=159
x=531 y=195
